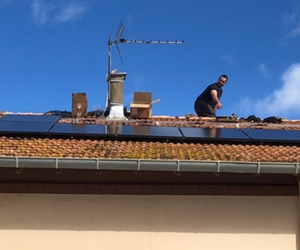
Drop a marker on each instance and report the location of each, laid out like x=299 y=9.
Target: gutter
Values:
x=151 y=165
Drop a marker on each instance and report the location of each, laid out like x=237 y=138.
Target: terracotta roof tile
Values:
x=183 y=122
x=86 y=148
x=106 y=148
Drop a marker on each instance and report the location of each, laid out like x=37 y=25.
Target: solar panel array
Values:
x=48 y=125
x=27 y=124
x=30 y=118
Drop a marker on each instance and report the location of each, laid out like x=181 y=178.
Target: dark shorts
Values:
x=202 y=108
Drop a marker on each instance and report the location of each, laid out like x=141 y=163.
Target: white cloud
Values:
x=40 y=11
x=282 y=102
x=289 y=18
x=48 y=11
x=262 y=68
x=245 y=106
x=69 y=12
x=292 y=20
x=296 y=31
x=229 y=59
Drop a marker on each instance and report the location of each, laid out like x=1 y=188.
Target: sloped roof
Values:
x=132 y=165
x=133 y=148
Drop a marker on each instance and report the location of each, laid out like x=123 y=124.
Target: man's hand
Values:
x=218 y=106
x=214 y=96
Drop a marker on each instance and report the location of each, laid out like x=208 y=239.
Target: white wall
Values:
x=43 y=221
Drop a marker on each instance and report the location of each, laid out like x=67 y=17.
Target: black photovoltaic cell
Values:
x=30 y=118
x=43 y=124
x=149 y=132
x=213 y=133
x=272 y=135
x=25 y=127
x=82 y=129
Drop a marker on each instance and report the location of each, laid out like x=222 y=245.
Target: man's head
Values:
x=222 y=80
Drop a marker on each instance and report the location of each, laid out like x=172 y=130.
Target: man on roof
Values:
x=208 y=102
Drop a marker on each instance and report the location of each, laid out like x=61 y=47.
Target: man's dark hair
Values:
x=225 y=76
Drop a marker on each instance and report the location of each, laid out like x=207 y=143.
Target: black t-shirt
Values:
x=206 y=96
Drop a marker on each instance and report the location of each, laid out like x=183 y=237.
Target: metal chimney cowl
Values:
x=116 y=96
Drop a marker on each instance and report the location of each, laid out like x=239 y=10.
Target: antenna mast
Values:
x=117 y=41
x=110 y=44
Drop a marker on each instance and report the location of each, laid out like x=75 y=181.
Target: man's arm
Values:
x=214 y=96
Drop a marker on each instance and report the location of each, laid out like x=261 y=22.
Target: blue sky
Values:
x=50 y=49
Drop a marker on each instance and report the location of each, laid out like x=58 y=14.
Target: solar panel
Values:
x=149 y=132
x=213 y=133
x=24 y=127
x=272 y=135
x=82 y=129
x=30 y=118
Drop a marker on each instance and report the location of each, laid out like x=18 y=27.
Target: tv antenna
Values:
x=116 y=42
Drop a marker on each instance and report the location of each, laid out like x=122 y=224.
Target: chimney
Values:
x=115 y=103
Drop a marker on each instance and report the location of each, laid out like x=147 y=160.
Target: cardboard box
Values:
x=141 y=107
x=79 y=104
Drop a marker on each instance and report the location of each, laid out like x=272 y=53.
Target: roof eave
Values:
x=151 y=165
